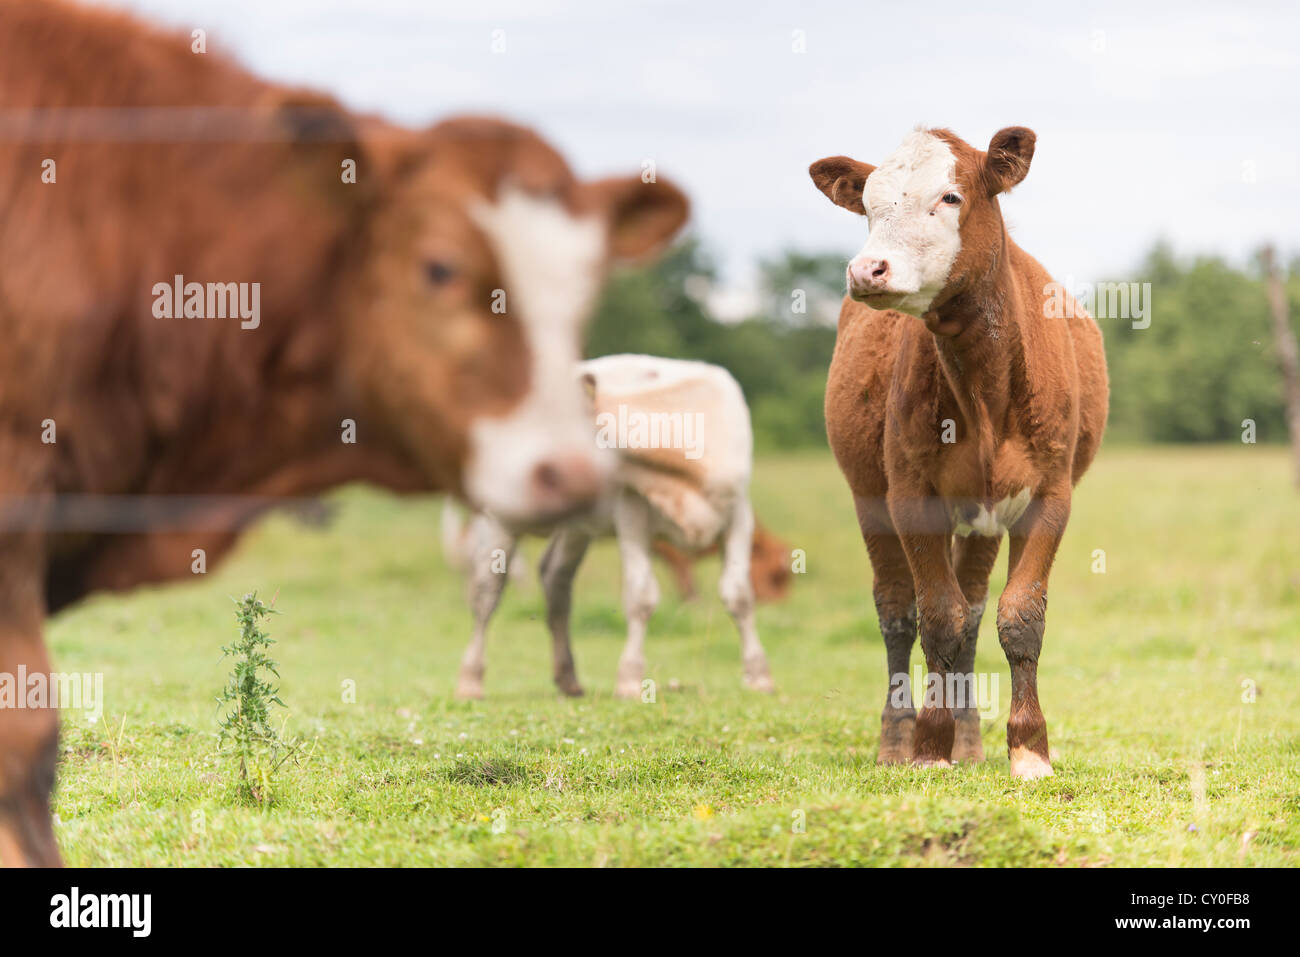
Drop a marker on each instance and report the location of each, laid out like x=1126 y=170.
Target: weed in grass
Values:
x=259 y=746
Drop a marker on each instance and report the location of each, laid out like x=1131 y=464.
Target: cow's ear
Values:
x=321 y=135
x=304 y=116
x=842 y=180
x=1007 y=161
x=643 y=217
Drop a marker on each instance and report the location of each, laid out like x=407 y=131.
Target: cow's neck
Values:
x=977 y=358
x=321 y=459
x=293 y=442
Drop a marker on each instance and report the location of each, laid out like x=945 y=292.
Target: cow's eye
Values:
x=439 y=272
x=952 y=199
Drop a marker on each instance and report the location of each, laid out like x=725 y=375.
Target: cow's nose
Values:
x=563 y=482
x=869 y=275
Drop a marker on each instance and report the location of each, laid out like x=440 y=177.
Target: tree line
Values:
x=1194 y=364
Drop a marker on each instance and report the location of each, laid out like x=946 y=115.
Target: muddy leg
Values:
x=896 y=612
x=1022 y=614
x=973 y=558
x=941 y=614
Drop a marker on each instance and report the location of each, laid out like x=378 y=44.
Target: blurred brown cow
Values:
x=216 y=294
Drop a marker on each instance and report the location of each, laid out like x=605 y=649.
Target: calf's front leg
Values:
x=895 y=600
x=943 y=614
x=1022 y=615
x=973 y=559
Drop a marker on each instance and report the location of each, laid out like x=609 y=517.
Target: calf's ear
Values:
x=1007 y=161
x=643 y=217
x=842 y=180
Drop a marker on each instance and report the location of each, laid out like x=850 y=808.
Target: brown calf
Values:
x=216 y=293
x=957 y=410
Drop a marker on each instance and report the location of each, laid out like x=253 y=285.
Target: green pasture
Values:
x=1170 y=681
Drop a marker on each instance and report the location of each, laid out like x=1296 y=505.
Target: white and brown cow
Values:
x=960 y=409
x=682 y=452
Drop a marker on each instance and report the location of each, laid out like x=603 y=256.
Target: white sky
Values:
x=1174 y=120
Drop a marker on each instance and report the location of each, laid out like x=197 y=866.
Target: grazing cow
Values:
x=960 y=405
x=684 y=456
x=216 y=293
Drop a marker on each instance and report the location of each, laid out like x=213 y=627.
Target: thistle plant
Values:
x=250 y=696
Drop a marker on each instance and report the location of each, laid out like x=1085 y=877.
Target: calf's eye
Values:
x=952 y=199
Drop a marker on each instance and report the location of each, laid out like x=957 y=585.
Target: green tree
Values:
x=1205 y=364
x=779 y=357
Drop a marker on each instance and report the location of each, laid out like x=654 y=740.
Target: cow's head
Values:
x=483 y=260
x=769 y=566
x=933 y=213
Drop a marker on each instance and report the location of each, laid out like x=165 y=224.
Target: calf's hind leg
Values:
x=896 y=611
x=559 y=564
x=640 y=590
x=737 y=593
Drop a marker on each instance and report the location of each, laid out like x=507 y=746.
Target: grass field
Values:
x=1161 y=759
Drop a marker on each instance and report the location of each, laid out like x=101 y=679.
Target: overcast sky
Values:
x=1175 y=120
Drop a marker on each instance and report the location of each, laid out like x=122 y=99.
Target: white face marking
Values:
x=999 y=519
x=911 y=227
x=552 y=263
